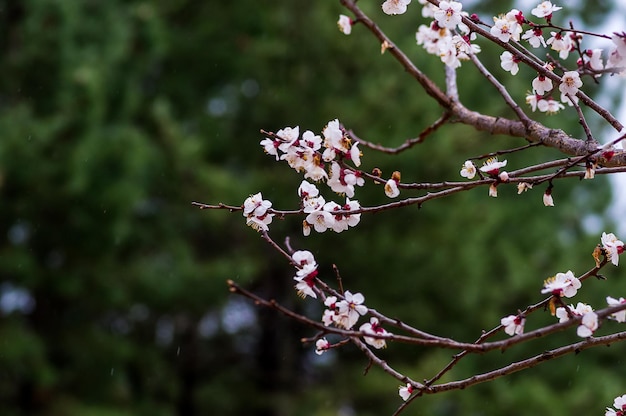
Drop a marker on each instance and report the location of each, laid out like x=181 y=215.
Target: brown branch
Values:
x=408 y=143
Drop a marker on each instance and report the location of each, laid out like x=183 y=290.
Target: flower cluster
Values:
x=255 y=209
x=322 y=215
x=306 y=274
x=447 y=36
x=588 y=323
x=305 y=154
x=344 y=313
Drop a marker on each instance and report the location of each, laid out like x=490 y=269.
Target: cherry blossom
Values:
x=612 y=247
x=395 y=6
x=508 y=62
x=305 y=277
x=534 y=37
x=391 y=187
x=492 y=166
x=307 y=190
x=255 y=209
x=405 y=391
x=549 y=106
x=430 y=36
x=561 y=42
x=350 y=309
x=620 y=404
x=506 y=27
x=493 y=190
x=343 y=180
x=345 y=24
x=329 y=315
x=513 y=324
x=523 y=187
x=448 y=14
x=545 y=9
x=590 y=171
x=548 y=201
x=532 y=100
x=562 y=284
x=570 y=83
x=320 y=219
x=428 y=9
x=618 y=316
x=588 y=325
x=307 y=271
x=321 y=346
x=564 y=313
x=542 y=84
x=595 y=59
x=468 y=170
x=271 y=147
x=341 y=222
x=373 y=327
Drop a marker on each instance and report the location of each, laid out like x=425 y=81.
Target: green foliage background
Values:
x=116 y=115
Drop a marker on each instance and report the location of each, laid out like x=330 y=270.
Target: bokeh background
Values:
x=115 y=115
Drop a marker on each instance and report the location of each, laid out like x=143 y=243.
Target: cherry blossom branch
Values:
x=533 y=131
x=408 y=143
x=528 y=363
x=501 y=89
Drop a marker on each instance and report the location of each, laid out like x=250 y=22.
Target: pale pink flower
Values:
x=373 y=327
x=508 y=62
x=588 y=325
x=448 y=14
x=542 y=84
x=513 y=324
x=395 y=6
x=612 y=247
x=345 y=24
x=321 y=346
x=563 y=284
x=534 y=37
x=549 y=106
x=493 y=190
x=492 y=166
x=561 y=42
x=618 y=316
x=545 y=9
x=405 y=391
x=570 y=83
x=468 y=170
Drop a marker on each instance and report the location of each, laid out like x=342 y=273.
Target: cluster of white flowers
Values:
x=588 y=323
x=344 y=313
x=567 y=285
x=306 y=274
x=446 y=36
x=255 y=209
x=303 y=153
x=322 y=215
